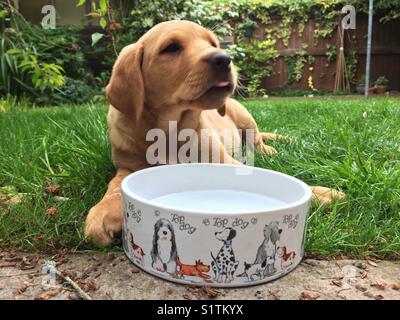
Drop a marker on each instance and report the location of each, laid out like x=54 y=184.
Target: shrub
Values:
x=381 y=81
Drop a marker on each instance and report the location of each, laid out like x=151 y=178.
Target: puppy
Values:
x=175 y=72
x=164 y=253
x=224 y=265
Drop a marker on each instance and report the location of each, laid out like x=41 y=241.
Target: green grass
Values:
x=333 y=145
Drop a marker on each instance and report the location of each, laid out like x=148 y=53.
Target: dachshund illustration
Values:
x=287 y=258
x=196 y=270
x=164 y=252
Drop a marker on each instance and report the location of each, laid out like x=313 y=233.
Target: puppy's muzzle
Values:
x=220 y=62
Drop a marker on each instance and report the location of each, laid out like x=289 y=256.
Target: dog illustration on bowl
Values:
x=224 y=265
x=164 y=253
x=287 y=258
x=137 y=251
x=267 y=250
x=199 y=270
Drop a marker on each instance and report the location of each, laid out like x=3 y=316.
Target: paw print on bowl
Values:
x=206 y=222
x=157 y=213
x=254 y=220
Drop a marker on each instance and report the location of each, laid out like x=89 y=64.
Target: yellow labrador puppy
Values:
x=175 y=73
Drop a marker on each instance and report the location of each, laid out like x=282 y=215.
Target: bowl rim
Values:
x=303 y=200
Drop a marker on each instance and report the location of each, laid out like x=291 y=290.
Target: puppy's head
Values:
x=164 y=230
x=226 y=235
x=176 y=63
x=272 y=232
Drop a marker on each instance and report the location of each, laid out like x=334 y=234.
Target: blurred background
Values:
x=282 y=48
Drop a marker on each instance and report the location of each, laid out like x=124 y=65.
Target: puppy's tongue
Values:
x=222 y=84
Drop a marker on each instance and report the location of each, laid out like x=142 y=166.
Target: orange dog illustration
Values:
x=137 y=251
x=286 y=257
x=192 y=270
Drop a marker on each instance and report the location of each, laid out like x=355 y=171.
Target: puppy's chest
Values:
x=164 y=249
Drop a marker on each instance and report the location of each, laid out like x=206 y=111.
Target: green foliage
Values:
x=254 y=60
x=381 y=81
x=43 y=75
x=295 y=65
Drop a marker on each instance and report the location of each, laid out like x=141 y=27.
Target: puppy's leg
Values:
x=245 y=121
x=104 y=221
x=274 y=137
x=213 y=150
x=326 y=195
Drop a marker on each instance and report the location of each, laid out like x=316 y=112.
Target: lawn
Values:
x=352 y=145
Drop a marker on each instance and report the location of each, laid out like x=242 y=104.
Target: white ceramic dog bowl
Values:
x=214 y=224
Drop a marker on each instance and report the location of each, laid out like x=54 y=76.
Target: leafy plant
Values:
x=43 y=75
x=295 y=65
x=254 y=61
x=381 y=81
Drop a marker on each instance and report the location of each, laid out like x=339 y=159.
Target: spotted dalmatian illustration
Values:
x=224 y=265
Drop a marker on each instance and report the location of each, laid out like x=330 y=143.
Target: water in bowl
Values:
x=218 y=201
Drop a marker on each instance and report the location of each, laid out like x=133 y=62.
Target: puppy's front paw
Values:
x=326 y=196
x=263 y=148
x=104 y=221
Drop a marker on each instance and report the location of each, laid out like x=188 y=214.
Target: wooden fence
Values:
x=385 y=59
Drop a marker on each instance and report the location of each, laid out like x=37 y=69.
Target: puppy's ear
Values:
x=125 y=90
x=232 y=234
x=222 y=110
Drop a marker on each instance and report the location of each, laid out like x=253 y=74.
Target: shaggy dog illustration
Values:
x=287 y=258
x=196 y=270
x=225 y=264
x=267 y=249
x=164 y=252
x=137 y=251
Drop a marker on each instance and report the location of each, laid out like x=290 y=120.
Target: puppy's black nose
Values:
x=216 y=233
x=165 y=232
x=220 y=61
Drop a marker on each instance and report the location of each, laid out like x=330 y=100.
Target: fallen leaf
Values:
x=396 y=286
x=52 y=188
x=187 y=297
x=51 y=211
x=48 y=294
x=8 y=264
x=361 y=288
x=273 y=295
x=211 y=292
x=363 y=274
x=379 y=297
x=372 y=263
x=21 y=289
x=308 y=296
x=28 y=263
x=135 y=269
x=380 y=285
x=336 y=282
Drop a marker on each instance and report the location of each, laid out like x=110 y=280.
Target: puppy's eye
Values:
x=172 y=48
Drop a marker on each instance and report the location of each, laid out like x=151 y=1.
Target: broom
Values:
x=341 y=77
